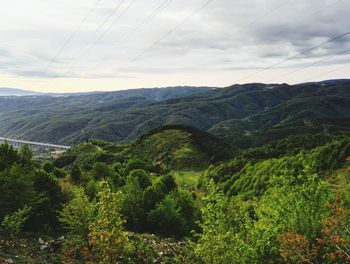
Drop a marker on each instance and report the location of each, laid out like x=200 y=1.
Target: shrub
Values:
x=13 y=223
x=166 y=219
x=107 y=234
x=142 y=177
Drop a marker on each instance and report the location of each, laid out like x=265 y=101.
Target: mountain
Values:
x=16 y=92
x=171 y=147
x=184 y=152
x=238 y=112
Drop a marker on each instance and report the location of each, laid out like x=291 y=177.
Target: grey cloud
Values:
x=227 y=35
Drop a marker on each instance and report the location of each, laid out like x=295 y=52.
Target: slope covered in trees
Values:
x=236 y=111
x=286 y=201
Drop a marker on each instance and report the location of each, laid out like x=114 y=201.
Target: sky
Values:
x=100 y=45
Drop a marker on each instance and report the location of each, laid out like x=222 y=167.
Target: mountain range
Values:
x=244 y=113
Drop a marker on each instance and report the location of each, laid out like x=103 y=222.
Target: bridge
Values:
x=33 y=145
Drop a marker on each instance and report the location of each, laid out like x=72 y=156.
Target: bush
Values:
x=155 y=193
x=13 y=223
x=166 y=219
x=95 y=230
x=75 y=218
x=101 y=171
x=132 y=209
x=142 y=177
x=134 y=165
x=106 y=230
x=75 y=173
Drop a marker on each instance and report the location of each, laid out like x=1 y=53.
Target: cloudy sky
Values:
x=89 y=45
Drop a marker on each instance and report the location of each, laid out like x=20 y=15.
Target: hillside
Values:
x=184 y=152
x=174 y=191
x=121 y=116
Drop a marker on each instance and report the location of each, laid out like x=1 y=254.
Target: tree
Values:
x=166 y=219
x=155 y=193
x=13 y=223
x=142 y=177
x=132 y=209
x=17 y=190
x=219 y=241
x=45 y=214
x=189 y=208
x=296 y=207
x=94 y=229
x=25 y=156
x=91 y=189
x=75 y=173
x=76 y=218
x=334 y=242
x=101 y=171
x=214 y=243
x=8 y=156
x=106 y=230
x=134 y=164
x=175 y=216
x=295 y=248
x=294 y=212
x=48 y=167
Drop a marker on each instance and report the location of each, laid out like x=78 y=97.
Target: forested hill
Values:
x=249 y=111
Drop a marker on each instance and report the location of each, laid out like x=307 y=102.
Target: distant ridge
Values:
x=4 y=91
x=239 y=112
x=331 y=81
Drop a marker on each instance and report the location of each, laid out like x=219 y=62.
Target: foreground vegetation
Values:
x=171 y=197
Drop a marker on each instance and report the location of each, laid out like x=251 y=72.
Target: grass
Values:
x=187 y=178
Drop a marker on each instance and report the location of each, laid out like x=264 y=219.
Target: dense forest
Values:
x=244 y=112
x=179 y=195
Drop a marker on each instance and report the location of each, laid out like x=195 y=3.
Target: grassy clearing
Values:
x=187 y=178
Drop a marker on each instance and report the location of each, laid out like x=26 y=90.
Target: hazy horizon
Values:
x=154 y=87
x=82 y=46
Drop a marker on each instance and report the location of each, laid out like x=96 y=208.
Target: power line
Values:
x=294 y=56
x=328 y=72
x=133 y=32
x=309 y=65
x=157 y=11
x=115 y=21
x=101 y=36
x=107 y=18
x=187 y=18
x=300 y=22
x=72 y=35
x=173 y=29
x=307 y=18
x=261 y=17
x=100 y=26
x=149 y=18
